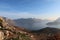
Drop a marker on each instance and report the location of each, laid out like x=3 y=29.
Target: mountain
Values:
x=31 y=23
x=57 y=20
x=11 y=32
x=55 y=23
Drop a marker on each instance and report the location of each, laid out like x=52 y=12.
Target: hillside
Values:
x=10 y=32
x=47 y=33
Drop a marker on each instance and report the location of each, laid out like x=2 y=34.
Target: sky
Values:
x=42 y=9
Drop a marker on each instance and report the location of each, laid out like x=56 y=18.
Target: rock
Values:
x=1 y=35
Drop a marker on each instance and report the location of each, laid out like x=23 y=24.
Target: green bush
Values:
x=23 y=37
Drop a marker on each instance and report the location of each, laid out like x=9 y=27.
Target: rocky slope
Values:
x=10 y=32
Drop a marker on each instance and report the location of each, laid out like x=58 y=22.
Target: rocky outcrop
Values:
x=11 y=32
x=1 y=35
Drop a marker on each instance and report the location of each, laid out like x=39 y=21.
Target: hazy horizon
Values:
x=40 y=9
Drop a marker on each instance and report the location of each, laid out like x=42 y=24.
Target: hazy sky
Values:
x=45 y=9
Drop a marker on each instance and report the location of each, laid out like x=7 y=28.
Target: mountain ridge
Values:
x=12 y=32
x=31 y=23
